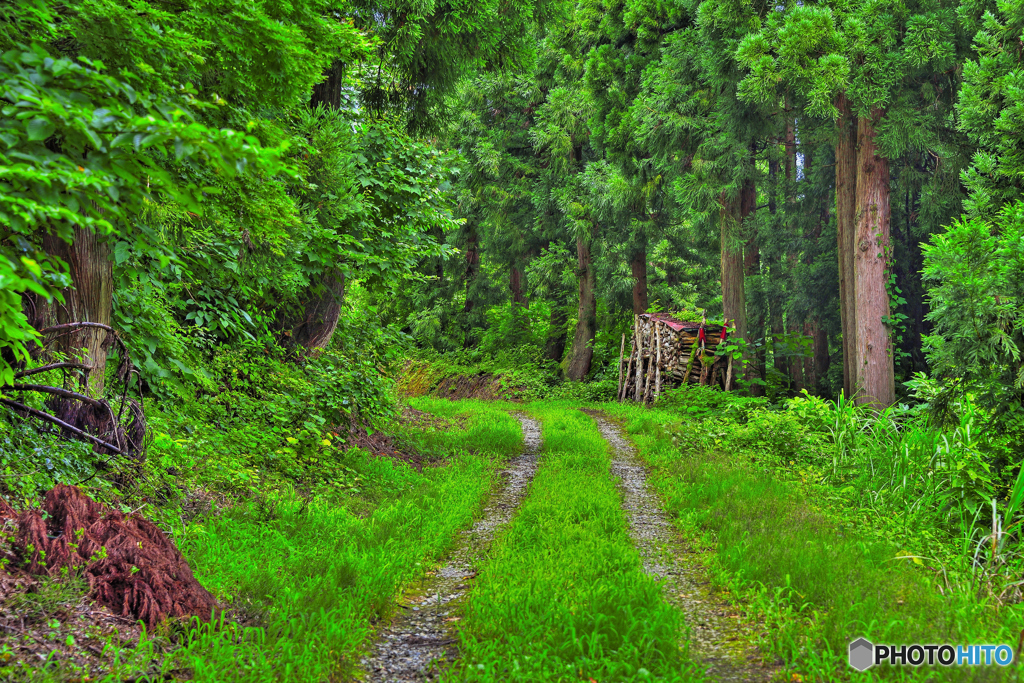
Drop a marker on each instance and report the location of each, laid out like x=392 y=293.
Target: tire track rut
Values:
x=423 y=633
x=717 y=638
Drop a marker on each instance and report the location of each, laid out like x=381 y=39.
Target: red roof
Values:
x=679 y=325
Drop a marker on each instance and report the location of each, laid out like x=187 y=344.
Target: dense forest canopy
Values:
x=509 y=175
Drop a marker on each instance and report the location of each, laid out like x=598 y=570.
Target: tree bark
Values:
x=810 y=370
x=774 y=274
x=586 y=322
x=821 y=356
x=916 y=326
x=796 y=362
x=846 y=214
x=751 y=268
x=734 y=305
x=815 y=367
x=90 y=299
x=39 y=313
x=325 y=295
x=320 y=313
x=638 y=269
x=789 y=141
x=328 y=92
x=874 y=359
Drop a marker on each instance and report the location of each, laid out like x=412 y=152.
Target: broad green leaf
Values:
x=40 y=129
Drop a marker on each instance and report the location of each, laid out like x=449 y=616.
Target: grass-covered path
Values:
x=719 y=641
x=581 y=578
x=564 y=595
x=420 y=635
x=555 y=541
x=639 y=554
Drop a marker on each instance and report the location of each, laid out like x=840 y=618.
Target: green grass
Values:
x=492 y=429
x=305 y=574
x=815 y=576
x=564 y=596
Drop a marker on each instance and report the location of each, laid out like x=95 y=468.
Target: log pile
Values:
x=667 y=352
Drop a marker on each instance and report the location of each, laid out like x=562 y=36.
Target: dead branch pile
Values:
x=130 y=564
x=118 y=429
x=665 y=351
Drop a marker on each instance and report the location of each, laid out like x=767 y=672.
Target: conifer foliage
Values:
x=199 y=174
x=782 y=167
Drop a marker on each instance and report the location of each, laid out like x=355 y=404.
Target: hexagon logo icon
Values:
x=862 y=654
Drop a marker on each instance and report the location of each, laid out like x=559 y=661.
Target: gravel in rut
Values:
x=423 y=633
x=718 y=639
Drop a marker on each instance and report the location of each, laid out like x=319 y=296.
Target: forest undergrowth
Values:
x=305 y=543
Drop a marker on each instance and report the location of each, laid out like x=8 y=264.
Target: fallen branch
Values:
x=68 y=327
x=60 y=423
x=51 y=366
x=56 y=391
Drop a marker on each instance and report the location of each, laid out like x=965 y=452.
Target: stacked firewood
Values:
x=666 y=352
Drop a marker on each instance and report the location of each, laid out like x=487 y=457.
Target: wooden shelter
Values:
x=667 y=352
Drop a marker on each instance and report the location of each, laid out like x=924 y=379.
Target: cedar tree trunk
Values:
x=874 y=361
x=90 y=299
x=821 y=357
x=751 y=266
x=586 y=322
x=796 y=363
x=328 y=92
x=846 y=214
x=554 y=349
x=774 y=275
x=734 y=304
x=816 y=365
x=472 y=265
x=638 y=269
x=320 y=313
x=324 y=297
x=516 y=285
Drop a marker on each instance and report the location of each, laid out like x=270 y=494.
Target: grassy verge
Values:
x=305 y=572
x=564 y=596
x=816 y=576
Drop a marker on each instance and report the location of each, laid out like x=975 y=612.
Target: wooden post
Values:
x=629 y=371
x=728 y=374
x=650 y=366
x=657 y=368
x=622 y=350
x=638 y=391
